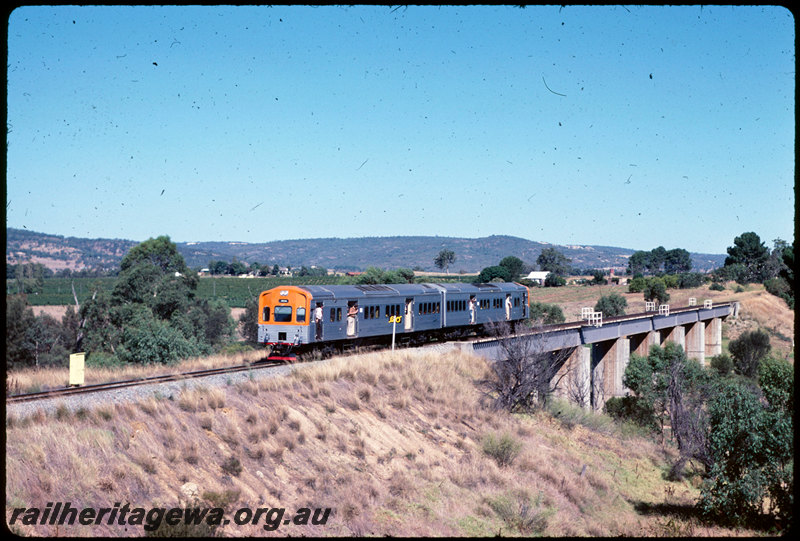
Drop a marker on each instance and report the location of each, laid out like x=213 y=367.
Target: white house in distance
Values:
x=538 y=276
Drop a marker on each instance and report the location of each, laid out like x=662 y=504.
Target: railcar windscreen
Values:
x=283 y=314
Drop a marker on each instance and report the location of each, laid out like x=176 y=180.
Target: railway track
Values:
x=99 y=387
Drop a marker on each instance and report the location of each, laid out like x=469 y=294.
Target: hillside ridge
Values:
x=472 y=254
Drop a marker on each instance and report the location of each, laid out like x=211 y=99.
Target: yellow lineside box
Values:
x=76 y=368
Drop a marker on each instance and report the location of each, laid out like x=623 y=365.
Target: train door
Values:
x=352 y=319
x=409 y=315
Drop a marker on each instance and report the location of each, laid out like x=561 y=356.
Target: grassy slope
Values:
x=392 y=442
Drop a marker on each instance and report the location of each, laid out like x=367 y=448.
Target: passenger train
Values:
x=300 y=319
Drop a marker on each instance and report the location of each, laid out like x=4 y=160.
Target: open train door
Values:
x=409 y=315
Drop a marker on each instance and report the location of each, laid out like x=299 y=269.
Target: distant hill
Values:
x=57 y=252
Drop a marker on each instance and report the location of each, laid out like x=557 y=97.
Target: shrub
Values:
x=722 y=364
x=637 y=284
x=611 y=305
x=735 y=488
x=781 y=288
x=748 y=350
x=503 y=449
x=554 y=280
x=232 y=466
x=546 y=313
x=632 y=408
x=156 y=342
x=716 y=286
x=671 y=281
x=490 y=273
x=656 y=290
x=520 y=513
x=688 y=280
x=100 y=359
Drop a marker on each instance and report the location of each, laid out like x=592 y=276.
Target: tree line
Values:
x=151 y=315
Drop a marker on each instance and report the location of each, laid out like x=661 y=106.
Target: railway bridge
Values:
x=592 y=354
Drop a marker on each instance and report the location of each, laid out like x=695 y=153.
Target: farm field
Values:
x=235 y=291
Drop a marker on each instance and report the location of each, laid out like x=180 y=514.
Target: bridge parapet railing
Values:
x=595 y=318
x=708 y=304
x=663 y=310
x=649 y=306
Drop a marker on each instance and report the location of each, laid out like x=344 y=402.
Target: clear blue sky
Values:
x=632 y=126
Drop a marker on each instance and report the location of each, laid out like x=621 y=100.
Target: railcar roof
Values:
x=390 y=290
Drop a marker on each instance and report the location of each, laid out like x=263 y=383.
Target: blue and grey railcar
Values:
x=301 y=318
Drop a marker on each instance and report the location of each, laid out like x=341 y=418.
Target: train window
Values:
x=377 y=312
x=438 y=306
x=266 y=313
x=338 y=314
x=333 y=314
x=301 y=314
x=283 y=314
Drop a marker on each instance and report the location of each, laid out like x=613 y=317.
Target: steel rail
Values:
x=98 y=387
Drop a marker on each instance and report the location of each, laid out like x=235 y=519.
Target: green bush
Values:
x=747 y=352
x=716 y=286
x=637 y=284
x=688 y=280
x=554 y=280
x=611 y=305
x=656 y=290
x=671 y=281
x=780 y=287
x=631 y=408
x=722 y=364
x=503 y=449
x=155 y=342
x=520 y=513
x=548 y=314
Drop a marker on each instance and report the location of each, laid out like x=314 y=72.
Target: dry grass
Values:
x=36 y=379
x=394 y=443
